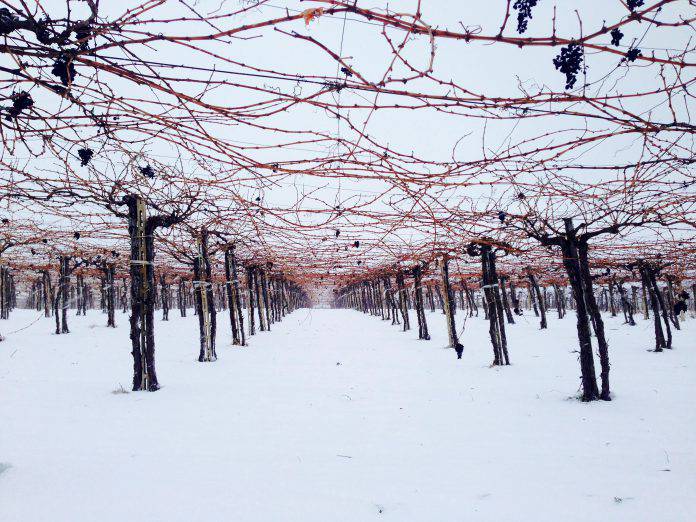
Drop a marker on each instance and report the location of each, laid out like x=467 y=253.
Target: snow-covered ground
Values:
x=337 y=416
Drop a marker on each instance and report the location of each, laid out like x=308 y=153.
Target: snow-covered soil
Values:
x=337 y=416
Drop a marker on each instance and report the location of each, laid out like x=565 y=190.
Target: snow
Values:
x=338 y=416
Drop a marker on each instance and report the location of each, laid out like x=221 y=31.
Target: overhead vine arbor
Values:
x=374 y=168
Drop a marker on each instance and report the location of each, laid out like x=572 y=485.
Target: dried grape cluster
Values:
x=524 y=13
x=64 y=69
x=569 y=63
x=633 y=54
x=21 y=101
x=85 y=156
x=8 y=21
x=634 y=4
x=147 y=171
x=616 y=36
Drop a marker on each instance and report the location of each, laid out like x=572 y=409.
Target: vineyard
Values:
x=418 y=260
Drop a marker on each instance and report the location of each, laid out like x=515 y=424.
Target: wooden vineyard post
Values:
x=237 y=298
x=141 y=229
x=258 y=293
x=250 y=299
x=232 y=296
x=265 y=298
x=420 y=308
x=3 y=290
x=110 y=296
x=403 y=306
x=141 y=215
x=490 y=287
x=506 y=302
x=571 y=262
x=203 y=287
x=537 y=299
x=449 y=310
